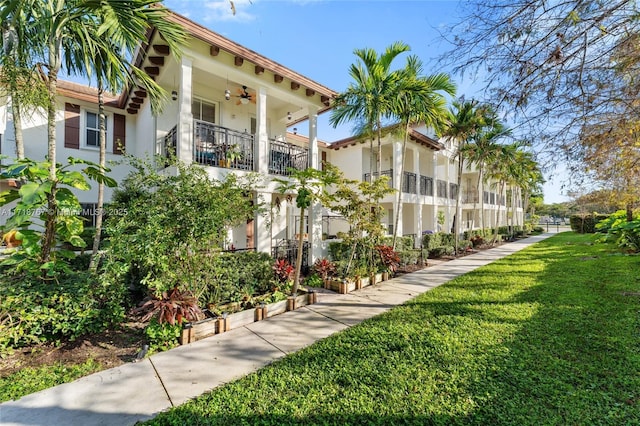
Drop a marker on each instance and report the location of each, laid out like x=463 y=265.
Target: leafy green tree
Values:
x=310 y=186
x=165 y=229
x=369 y=98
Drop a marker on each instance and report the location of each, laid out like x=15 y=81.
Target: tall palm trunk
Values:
x=48 y=238
x=296 y=277
x=16 y=111
x=457 y=218
x=102 y=138
x=379 y=159
x=399 y=199
x=497 y=225
x=480 y=191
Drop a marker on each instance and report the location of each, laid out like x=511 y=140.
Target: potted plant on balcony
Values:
x=232 y=155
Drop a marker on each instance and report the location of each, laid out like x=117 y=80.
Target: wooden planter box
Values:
x=342 y=287
x=210 y=326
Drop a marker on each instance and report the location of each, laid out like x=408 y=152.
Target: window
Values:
x=203 y=110
x=92 y=130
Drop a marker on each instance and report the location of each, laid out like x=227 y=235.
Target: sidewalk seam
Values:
x=164 y=387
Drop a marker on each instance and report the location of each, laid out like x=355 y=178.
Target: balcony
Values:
x=367 y=176
x=426 y=185
x=219 y=146
x=409 y=183
x=283 y=157
x=469 y=197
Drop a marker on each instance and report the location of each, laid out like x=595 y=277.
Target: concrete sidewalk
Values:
x=138 y=391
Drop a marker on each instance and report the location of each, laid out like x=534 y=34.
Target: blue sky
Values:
x=317 y=37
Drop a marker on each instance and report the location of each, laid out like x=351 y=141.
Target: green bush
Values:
x=431 y=241
x=408 y=257
x=162 y=337
x=627 y=235
x=586 y=224
x=441 y=251
x=32 y=310
x=613 y=220
x=233 y=275
x=402 y=243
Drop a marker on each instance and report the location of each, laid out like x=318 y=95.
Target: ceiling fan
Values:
x=245 y=97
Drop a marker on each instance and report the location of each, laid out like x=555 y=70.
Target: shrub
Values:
x=441 y=251
x=162 y=336
x=627 y=235
x=173 y=306
x=324 y=268
x=33 y=311
x=431 y=241
x=282 y=270
x=409 y=257
x=477 y=240
x=585 y=224
x=389 y=258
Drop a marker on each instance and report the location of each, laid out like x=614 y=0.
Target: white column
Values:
x=262 y=230
x=261 y=143
x=397 y=184
x=417 y=214
x=434 y=175
x=315 y=210
x=185 y=121
x=313 y=138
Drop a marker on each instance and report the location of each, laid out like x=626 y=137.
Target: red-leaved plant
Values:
x=173 y=307
x=388 y=257
x=324 y=268
x=282 y=270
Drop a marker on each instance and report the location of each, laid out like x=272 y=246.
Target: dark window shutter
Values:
x=324 y=159
x=71 y=126
x=119 y=133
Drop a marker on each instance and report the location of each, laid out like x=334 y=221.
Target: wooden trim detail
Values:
x=238 y=61
x=161 y=49
x=294 y=85
x=259 y=70
x=140 y=93
x=310 y=92
x=277 y=78
x=157 y=60
x=214 y=51
x=152 y=71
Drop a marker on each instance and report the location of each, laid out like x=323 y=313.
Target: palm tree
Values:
x=113 y=72
x=25 y=88
x=467 y=119
x=482 y=149
x=66 y=38
x=500 y=170
x=419 y=100
x=369 y=98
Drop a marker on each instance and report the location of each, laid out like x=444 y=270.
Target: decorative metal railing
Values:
x=409 y=183
x=426 y=185
x=284 y=156
x=367 y=176
x=219 y=146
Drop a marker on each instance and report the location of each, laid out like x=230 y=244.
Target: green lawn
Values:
x=548 y=336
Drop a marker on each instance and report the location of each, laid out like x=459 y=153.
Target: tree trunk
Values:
x=399 y=199
x=16 y=111
x=480 y=189
x=458 y=219
x=379 y=159
x=48 y=238
x=93 y=264
x=629 y=208
x=296 y=277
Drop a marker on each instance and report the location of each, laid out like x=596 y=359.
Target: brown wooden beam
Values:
x=132 y=111
x=310 y=92
x=277 y=78
x=238 y=61
x=161 y=49
x=140 y=93
x=157 y=60
x=134 y=106
x=294 y=85
x=152 y=71
x=259 y=70
x=214 y=51
x=137 y=100
x=324 y=100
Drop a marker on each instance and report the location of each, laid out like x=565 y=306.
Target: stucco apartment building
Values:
x=232 y=111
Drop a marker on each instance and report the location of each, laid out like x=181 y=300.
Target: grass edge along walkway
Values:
x=549 y=335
